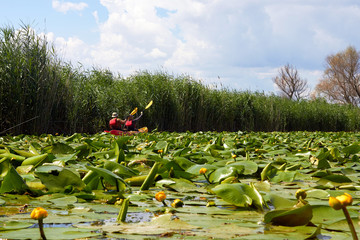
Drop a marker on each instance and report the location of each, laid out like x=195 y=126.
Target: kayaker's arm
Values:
x=138 y=117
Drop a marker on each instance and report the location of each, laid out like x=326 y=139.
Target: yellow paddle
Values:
x=149 y=104
x=136 y=109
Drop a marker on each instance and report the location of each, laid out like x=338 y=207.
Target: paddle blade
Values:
x=134 y=111
x=149 y=105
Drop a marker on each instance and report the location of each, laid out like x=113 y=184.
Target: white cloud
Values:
x=243 y=42
x=64 y=7
x=96 y=16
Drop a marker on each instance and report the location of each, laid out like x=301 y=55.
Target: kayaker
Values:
x=130 y=122
x=116 y=123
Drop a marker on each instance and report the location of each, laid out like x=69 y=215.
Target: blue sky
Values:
x=240 y=44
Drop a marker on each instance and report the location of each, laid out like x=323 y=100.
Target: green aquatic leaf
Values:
x=35 y=160
x=150 y=178
x=317 y=193
x=57 y=178
x=284 y=176
x=250 y=167
x=196 y=168
x=352 y=149
x=119 y=153
x=179 y=185
x=109 y=176
x=183 y=162
x=234 y=193
x=51 y=233
x=13 y=225
x=119 y=169
x=12 y=181
x=337 y=178
x=224 y=172
x=280 y=202
x=162 y=224
x=323 y=164
x=326 y=215
x=268 y=172
x=292 y=217
x=61 y=148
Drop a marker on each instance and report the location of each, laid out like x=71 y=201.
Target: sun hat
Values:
x=114 y=115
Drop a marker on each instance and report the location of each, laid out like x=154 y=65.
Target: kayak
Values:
x=127 y=133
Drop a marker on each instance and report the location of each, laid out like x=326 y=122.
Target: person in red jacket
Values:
x=130 y=122
x=116 y=123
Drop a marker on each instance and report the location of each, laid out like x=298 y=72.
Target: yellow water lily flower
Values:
x=39 y=213
x=177 y=203
x=335 y=203
x=160 y=196
x=301 y=193
x=202 y=170
x=340 y=201
x=345 y=199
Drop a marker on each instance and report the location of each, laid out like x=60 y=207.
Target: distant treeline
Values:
x=56 y=97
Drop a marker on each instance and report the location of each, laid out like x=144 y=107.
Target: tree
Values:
x=290 y=83
x=341 y=79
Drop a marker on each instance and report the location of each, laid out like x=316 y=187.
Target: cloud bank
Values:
x=64 y=7
x=240 y=44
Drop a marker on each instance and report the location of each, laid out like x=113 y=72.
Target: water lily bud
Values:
x=233 y=156
x=39 y=213
x=345 y=199
x=300 y=194
x=335 y=203
x=203 y=170
x=177 y=203
x=160 y=196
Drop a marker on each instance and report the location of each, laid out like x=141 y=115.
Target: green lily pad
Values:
x=50 y=233
x=162 y=224
x=239 y=194
x=179 y=185
x=56 y=178
x=225 y=172
x=14 y=225
x=293 y=217
x=250 y=167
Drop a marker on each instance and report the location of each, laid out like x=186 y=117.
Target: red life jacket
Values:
x=128 y=123
x=114 y=124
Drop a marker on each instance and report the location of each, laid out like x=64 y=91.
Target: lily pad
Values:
x=293 y=217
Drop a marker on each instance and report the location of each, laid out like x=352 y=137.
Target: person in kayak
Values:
x=130 y=122
x=116 y=123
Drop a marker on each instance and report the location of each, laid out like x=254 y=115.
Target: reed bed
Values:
x=60 y=98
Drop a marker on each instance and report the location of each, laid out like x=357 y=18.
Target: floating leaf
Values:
x=225 y=172
x=352 y=149
x=12 y=181
x=14 y=225
x=250 y=167
x=56 y=178
x=234 y=194
x=293 y=217
x=179 y=185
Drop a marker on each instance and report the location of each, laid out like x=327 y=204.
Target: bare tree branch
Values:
x=290 y=83
x=341 y=79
